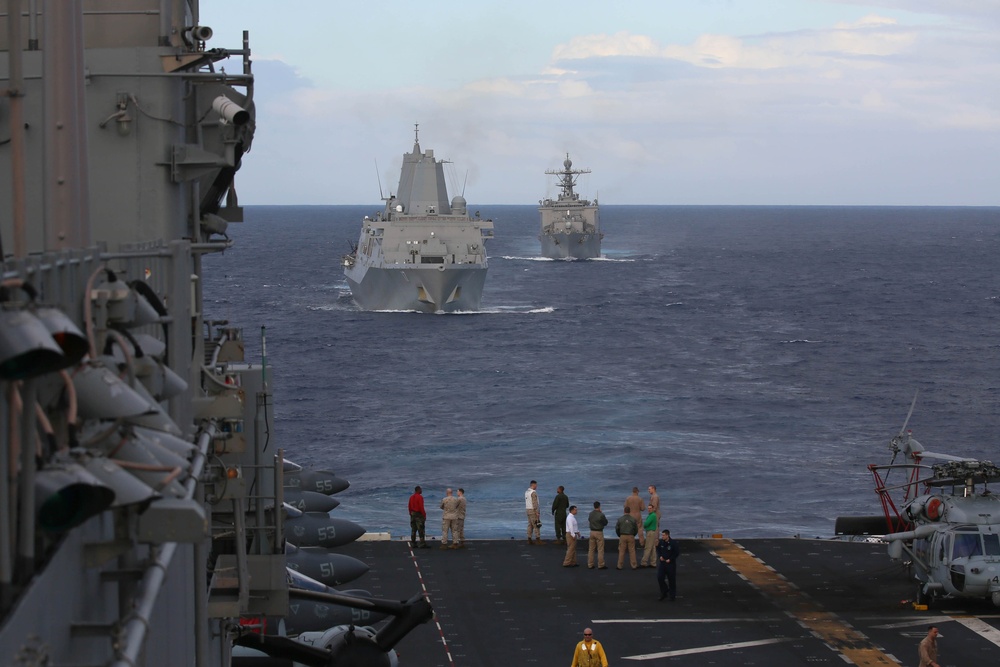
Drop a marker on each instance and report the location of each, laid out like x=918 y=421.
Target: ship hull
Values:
x=433 y=289
x=572 y=245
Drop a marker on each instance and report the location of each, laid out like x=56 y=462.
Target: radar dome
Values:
x=458 y=205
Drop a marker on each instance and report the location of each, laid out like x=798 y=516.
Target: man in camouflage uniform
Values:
x=531 y=509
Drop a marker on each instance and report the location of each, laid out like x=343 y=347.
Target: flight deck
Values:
x=748 y=602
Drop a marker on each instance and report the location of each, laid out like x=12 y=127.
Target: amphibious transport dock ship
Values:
x=571 y=227
x=422 y=252
x=788 y=602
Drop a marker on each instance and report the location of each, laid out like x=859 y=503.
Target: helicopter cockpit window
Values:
x=966 y=545
x=992 y=544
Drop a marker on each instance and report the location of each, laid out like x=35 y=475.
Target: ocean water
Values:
x=749 y=361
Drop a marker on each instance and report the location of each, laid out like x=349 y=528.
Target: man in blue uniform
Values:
x=666 y=565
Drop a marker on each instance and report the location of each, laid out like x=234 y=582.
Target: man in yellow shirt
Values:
x=589 y=652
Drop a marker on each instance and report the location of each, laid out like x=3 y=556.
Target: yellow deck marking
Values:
x=847 y=641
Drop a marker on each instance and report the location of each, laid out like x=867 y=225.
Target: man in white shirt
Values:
x=572 y=535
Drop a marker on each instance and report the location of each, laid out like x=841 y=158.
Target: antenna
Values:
x=380 y=195
x=465 y=181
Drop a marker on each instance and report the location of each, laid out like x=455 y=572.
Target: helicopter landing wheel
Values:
x=922 y=597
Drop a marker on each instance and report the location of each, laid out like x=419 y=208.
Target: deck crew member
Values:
x=589 y=652
x=666 y=567
x=627 y=528
x=461 y=518
x=928 y=648
x=559 y=508
x=650 y=526
x=531 y=509
x=449 y=519
x=597 y=522
x=654 y=504
x=418 y=517
x=636 y=507
x=572 y=532
x=635 y=503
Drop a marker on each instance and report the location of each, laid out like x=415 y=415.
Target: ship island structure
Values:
x=571 y=227
x=149 y=516
x=423 y=252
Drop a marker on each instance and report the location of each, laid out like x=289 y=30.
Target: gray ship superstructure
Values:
x=422 y=252
x=571 y=227
x=142 y=519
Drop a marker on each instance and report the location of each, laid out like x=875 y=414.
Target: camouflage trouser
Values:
x=533 y=524
x=446 y=525
x=460 y=531
x=417 y=526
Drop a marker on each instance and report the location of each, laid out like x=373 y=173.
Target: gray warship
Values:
x=571 y=227
x=421 y=253
x=149 y=516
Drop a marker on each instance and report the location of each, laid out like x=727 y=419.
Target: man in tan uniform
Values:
x=449 y=520
x=634 y=503
x=928 y=648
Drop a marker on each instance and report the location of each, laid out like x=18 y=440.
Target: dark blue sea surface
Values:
x=749 y=361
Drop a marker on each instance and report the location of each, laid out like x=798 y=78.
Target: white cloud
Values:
x=606 y=46
x=870 y=36
x=853 y=113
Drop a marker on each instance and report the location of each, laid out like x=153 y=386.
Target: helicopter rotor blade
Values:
x=944 y=457
x=910 y=413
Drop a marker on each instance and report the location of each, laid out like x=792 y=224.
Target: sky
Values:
x=705 y=102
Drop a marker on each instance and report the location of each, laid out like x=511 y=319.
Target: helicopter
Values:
x=947 y=523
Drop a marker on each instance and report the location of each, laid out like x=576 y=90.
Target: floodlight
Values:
x=151 y=345
x=161 y=382
x=196 y=33
x=65 y=333
x=66 y=495
x=129 y=490
x=177 y=445
x=27 y=349
x=125 y=306
x=103 y=395
x=230 y=111
x=157 y=418
x=140 y=460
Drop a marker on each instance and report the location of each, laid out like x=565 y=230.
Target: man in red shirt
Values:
x=418 y=517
